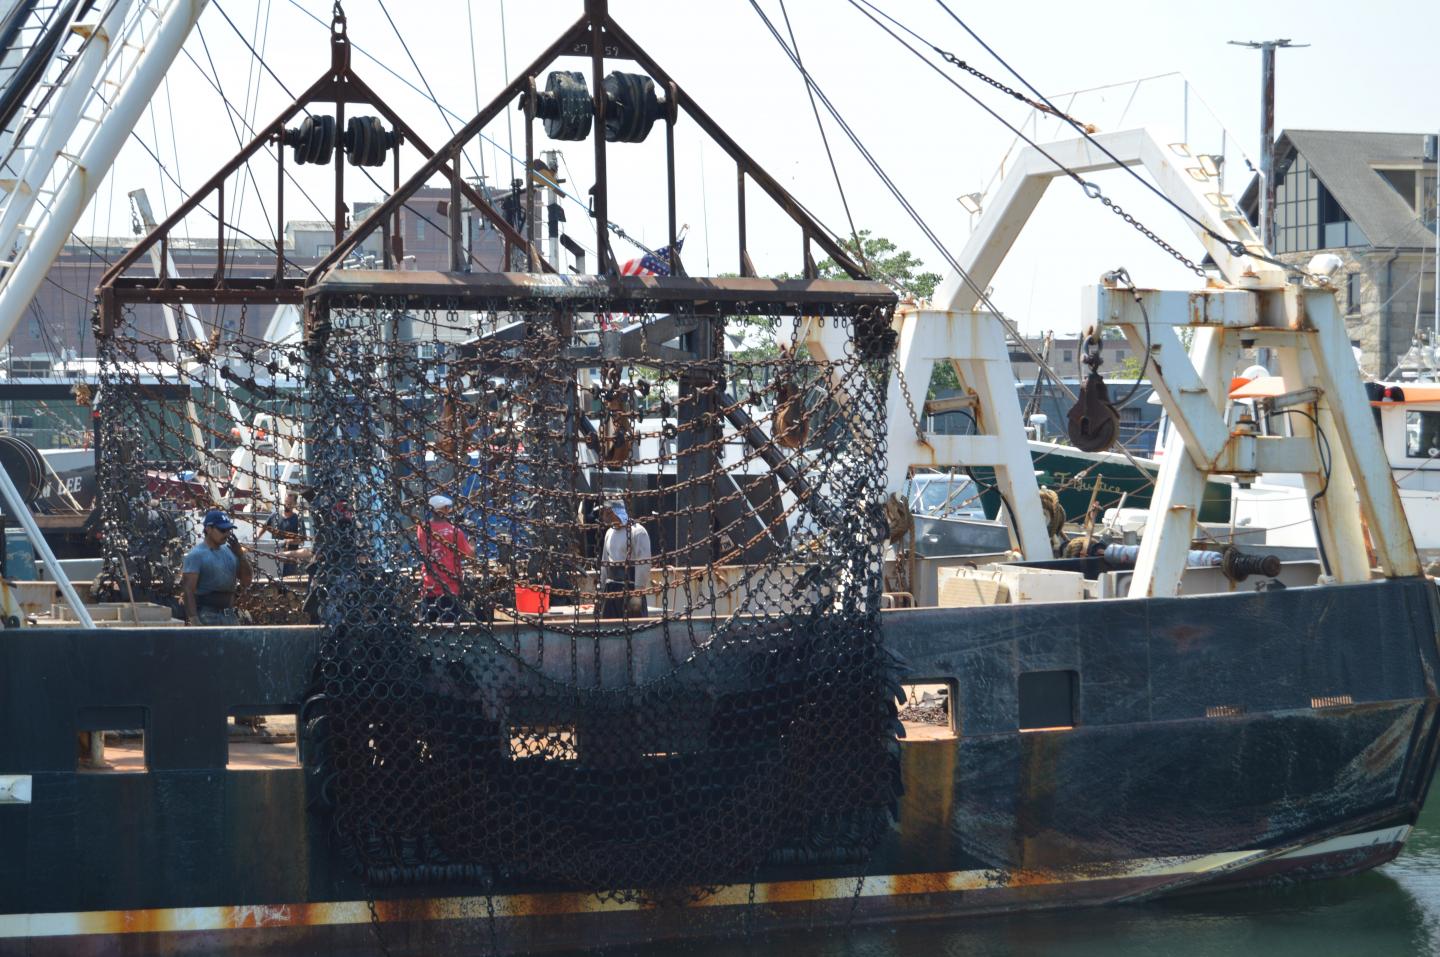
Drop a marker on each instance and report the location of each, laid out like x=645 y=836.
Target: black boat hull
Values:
x=1215 y=740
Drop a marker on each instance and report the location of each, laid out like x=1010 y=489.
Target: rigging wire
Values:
x=1322 y=448
x=252 y=91
x=286 y=89
x=451 y=114
x=1234 y=246
x=810 y=92
x=214 y=81
x=1090 y=188
x=1121 y=277
x=705 y=209
x=981 y=295
x=475 y=81
x=505 y=65
x=230 y=112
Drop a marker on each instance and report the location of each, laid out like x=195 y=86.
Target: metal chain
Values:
x=370 y=903
x=909 y=402
x=1235 y=247
x=1093 y=192
x=1008 y=90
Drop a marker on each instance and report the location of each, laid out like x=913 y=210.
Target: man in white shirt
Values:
x=624 y=564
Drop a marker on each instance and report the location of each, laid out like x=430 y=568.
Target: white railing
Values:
x=1166 y=101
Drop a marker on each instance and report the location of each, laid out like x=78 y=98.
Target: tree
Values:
x=1129 y=368
x=899 y=269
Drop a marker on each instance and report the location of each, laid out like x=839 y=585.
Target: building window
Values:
x=1297 y=220
x=1069 y=356
x=1427 y=201
x=419 y=228
x=1422 y=435
x=1352 y=294
x=1119 y=355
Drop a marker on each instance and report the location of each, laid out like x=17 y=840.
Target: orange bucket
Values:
x=532 y=601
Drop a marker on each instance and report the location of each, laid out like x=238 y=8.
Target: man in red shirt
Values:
x=442 y=545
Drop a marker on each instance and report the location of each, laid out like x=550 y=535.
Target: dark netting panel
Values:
x=507 y=692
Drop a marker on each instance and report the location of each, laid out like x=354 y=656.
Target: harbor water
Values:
x=1394 y=910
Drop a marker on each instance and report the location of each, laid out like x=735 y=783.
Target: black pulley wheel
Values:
x=22 y=462
x=631 y=107
x=366 y=141
x=565 y=106
x=313 y=140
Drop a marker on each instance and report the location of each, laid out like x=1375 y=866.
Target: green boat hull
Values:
x=1072 y=474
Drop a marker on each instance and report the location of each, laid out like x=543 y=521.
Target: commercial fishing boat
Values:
x=743 y=745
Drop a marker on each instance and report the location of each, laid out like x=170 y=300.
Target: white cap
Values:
x=441 y=501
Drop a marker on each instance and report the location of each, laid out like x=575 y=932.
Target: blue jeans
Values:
x=217 y=616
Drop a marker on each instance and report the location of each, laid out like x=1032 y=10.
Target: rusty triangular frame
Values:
x=599 y=37
x=338 y=86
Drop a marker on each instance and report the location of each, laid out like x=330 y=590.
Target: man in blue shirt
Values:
x=212 y=571
x=289 y=531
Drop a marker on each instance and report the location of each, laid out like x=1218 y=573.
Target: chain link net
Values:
x=497 y=700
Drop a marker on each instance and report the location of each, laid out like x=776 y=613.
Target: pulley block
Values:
x=565 y=106
x=1093 y=423
x=367 y=141
x=631 y=107
x=313 y=140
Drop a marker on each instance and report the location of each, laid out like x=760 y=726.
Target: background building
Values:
x=1370 y=199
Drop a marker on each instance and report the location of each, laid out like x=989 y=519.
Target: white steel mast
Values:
x=76 y=171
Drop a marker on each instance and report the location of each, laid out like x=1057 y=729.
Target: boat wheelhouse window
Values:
x=1048 y=700
x=1422 y=435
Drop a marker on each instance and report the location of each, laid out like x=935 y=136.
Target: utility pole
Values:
x=1267 y=50
x=1432 y=157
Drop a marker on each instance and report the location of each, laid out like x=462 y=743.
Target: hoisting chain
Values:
x=1011 y=91
x=909 y=402
x=1233 y=246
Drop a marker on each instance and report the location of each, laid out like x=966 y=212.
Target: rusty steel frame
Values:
x=339 y=85
x=729 y=296
x=597 y=36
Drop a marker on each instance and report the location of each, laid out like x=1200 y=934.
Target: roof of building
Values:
x=1346 y=162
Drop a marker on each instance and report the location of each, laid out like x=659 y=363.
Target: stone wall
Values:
x=1379 y=304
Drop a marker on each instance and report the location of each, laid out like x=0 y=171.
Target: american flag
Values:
x=655 y=263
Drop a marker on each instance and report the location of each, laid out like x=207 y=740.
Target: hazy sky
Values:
x=1370 y=66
